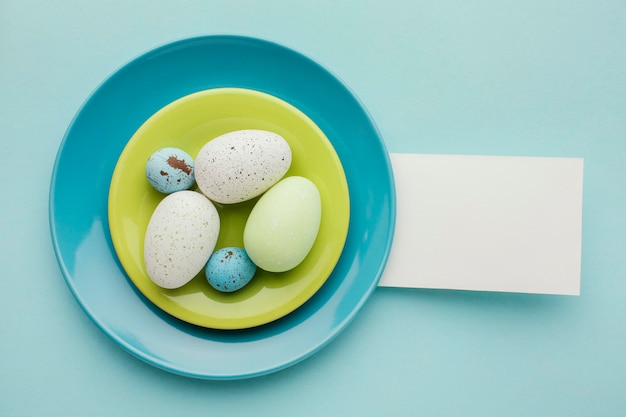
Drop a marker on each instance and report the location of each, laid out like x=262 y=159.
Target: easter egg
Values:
x=169 y=170
x=241 y=165
x=283 y=225
x=181 y=235
x=229 y=269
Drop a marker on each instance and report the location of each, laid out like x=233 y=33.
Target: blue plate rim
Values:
x=166 y=365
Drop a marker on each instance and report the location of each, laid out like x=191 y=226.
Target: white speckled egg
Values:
x=283 y=225
x=180 y=238
x=241 y=165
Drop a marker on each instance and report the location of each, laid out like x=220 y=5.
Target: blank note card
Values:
x=487 y=223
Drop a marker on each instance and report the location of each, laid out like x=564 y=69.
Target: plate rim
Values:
x=305 y=353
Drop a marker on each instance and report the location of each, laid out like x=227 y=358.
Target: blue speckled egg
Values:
x=229 y=269
x=169 y=170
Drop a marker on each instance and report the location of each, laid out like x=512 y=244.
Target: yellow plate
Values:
x=188 y=124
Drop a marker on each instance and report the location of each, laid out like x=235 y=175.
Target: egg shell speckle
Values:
x=180 y=238
x=169 y=170
x=241 y=165
x=229 y=269
x=283 y=225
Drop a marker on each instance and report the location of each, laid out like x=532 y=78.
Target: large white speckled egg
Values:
x=241 y=165
x=180 y=238
x=283 y=225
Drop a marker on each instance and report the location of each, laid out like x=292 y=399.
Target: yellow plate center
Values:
x=189 y=123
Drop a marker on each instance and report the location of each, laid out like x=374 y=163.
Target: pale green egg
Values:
x=283 y=225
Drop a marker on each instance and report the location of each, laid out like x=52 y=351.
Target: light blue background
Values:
x=534 y=78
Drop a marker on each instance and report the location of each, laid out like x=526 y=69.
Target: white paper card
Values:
x=487 y=223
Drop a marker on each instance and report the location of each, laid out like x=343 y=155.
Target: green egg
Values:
x=283 y=225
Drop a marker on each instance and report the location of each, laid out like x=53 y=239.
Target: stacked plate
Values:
x=179 y=95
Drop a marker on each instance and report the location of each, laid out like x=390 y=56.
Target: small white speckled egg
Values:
x=180 y=238
x=283 y=225
x=241 y=165
x=229 y=269
x=169 y=170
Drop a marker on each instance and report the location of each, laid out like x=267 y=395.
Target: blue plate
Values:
x=85 y=164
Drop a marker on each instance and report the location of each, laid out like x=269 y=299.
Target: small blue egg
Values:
x=169 y=170
x=229 y=269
